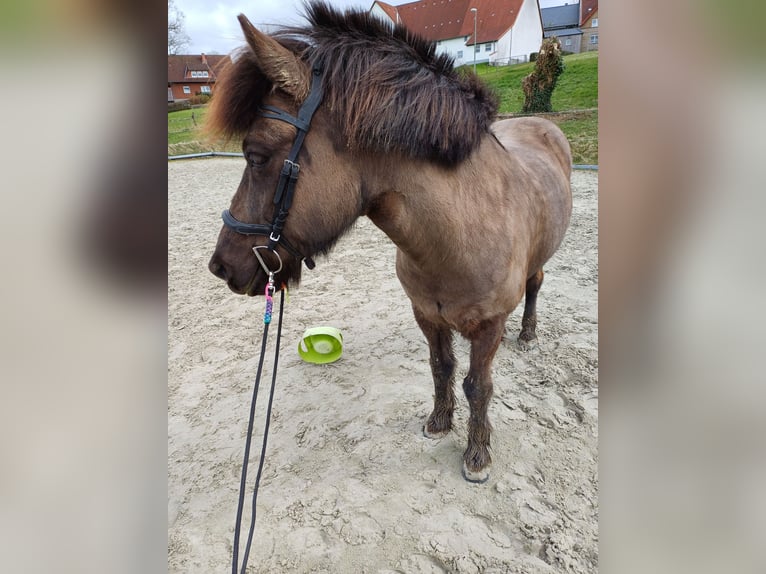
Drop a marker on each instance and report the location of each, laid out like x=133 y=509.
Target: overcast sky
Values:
x=213 y=28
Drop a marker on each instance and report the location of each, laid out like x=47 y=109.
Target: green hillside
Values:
x=577 y=89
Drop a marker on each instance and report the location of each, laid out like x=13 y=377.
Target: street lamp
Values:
x=475 y=11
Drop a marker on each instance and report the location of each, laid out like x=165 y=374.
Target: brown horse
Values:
x=393 y=132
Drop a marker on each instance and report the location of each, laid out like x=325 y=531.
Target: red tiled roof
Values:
x=179 y=65
x=445 y=19
x=587 y=9
x=434 y=19
x=494 y=18
x=388 y=9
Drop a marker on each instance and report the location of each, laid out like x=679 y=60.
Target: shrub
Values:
x=199 y=98
x=533 y=57
x=179 y=105
x=539 y=85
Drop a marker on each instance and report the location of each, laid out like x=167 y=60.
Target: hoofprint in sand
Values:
x=350 y=484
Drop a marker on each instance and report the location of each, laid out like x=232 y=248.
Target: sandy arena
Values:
x=350 y=484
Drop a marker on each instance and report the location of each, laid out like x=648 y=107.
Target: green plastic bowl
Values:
x=321 y=345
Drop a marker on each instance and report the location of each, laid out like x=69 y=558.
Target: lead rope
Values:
x=243 y=482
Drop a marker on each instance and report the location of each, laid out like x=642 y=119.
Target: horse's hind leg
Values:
x=443 y=369
x=478 y=390
x=529 y=320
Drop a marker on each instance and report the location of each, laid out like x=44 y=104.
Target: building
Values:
x=507 y=31
x=192 y=75
x=589 y=24
x=564 y=23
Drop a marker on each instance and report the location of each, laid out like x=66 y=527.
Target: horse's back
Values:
x=526 y=137
x=539 y=150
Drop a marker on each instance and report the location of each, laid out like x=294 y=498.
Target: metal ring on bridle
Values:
x=263 y=263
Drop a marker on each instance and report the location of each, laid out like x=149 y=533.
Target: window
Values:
x=205 y=89
x=187 y=90
x=460 y=54
x=476 y=48
x=594 y=23
x=199 y=74
x=594 y=38
x=488 y=47
x=568 y=42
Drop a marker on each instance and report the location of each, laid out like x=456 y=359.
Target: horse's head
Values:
x=270 y=96
x=386 y=97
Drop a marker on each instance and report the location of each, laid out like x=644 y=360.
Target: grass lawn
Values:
x=577 y=89
x=183 y=125
x=582 y=133
x=185 y=134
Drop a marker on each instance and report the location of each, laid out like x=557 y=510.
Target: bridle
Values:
x=283 y=199
x=288 y=177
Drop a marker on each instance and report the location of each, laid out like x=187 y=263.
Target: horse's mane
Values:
x=385 y=86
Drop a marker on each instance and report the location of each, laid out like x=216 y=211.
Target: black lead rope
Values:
x=243 y=481
x=283 y=199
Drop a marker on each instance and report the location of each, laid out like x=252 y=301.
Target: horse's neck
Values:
x=430 y=211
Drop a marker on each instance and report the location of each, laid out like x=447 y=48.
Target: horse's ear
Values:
x=277 y=63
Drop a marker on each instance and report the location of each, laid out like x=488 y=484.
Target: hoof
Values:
x=527 y=345
x=434 y=435
x=479 y=477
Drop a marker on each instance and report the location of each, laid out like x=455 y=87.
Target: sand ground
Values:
x=350 y=485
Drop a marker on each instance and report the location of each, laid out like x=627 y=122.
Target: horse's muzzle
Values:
x=251 y=282
x=218 y=268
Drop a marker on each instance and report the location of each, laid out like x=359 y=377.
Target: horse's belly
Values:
x=461 y=304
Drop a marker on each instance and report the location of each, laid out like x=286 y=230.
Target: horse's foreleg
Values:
x=529 y=320
x=443 y=369
x=478 y=390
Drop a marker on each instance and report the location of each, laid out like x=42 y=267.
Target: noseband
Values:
x=288 y=177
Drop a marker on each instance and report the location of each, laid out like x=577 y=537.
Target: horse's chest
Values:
x=447 y=305
x=459 y=303
x=433 y=299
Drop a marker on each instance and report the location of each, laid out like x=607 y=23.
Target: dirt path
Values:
x=350 y=484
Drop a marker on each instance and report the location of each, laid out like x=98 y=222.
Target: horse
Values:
x=350 y=116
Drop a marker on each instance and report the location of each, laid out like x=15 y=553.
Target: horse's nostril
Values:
x=218 y=269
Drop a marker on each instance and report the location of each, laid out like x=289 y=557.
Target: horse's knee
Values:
x=442 y=367
x=478 y=391
x=469 y=388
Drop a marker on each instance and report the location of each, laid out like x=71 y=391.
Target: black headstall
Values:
x=288 y=177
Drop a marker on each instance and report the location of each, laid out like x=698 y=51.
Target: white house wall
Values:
x=502 y=53
x=453 y=47
x=527 y=32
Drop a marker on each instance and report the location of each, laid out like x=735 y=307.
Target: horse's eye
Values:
x=256 y=160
